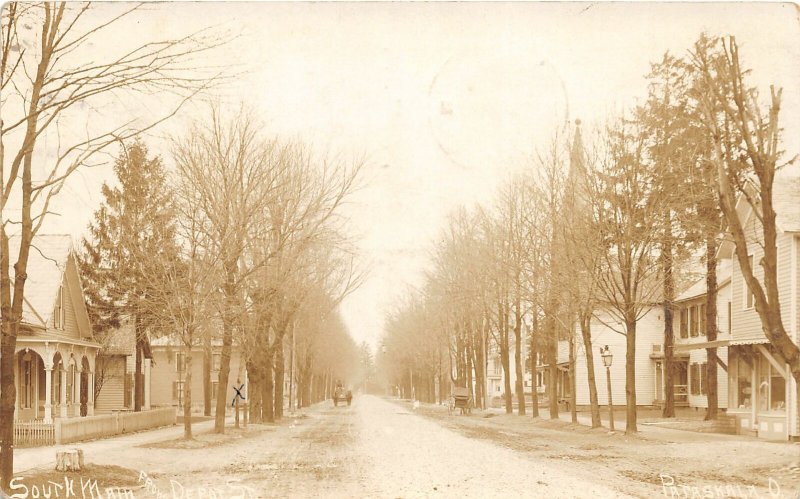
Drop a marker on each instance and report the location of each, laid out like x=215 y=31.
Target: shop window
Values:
x=744 y=390
x=771 y=388
x=777 y=392
x=684 y=323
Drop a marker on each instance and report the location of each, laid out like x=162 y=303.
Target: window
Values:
x=55 y=396
x=684 y=323
x=694 y=382
x=771 y=388
x=58 y=311
x=214 y=386
x=703 y=378
x=70 y=383
x=744 y=390
x=215 y=361
x=180 y=360
x=27 y=376
x=730 y=319
x=702 y=319
x=749 y=298
x=697 y=373
x=177 y=391
x=693 y=321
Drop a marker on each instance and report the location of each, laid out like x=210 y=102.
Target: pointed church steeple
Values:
x=576 y=178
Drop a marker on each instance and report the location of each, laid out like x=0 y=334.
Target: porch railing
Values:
x=34 y=433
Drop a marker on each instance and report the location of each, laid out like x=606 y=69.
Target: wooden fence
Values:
x=33 y=433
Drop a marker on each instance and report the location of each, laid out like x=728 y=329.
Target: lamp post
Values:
x=607 y=358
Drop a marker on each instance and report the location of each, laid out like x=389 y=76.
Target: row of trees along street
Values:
x=603 y=227
x=234 y=237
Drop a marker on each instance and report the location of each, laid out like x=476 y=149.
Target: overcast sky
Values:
x=444 y=100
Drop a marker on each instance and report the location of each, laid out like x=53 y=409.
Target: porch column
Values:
x=90 y=394
x=63 y=374
x=48 y=389
x=146 y=384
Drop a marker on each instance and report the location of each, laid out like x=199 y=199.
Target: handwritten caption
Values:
x=671 y=488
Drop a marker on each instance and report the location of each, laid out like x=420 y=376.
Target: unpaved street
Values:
x=372 y=449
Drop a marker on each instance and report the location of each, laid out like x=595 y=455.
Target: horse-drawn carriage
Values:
x=460 y=398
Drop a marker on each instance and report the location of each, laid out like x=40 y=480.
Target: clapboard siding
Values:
x=112 y=396
x=649 y=331
x=747 y=325
x=700 y=356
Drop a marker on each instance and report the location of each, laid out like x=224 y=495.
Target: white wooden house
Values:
x=762 y=393
x=55 y=352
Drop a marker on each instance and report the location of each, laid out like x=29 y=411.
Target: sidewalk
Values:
x=113 y=450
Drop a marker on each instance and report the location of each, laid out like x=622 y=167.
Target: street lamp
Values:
x=607 y=358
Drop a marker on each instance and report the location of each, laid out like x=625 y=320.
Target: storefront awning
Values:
x=686 y=347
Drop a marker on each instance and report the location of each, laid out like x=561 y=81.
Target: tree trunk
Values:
x=586 y=334
x=711 y=327
x=254 y=392
x=669 y=312
x=227 y=343
x=519 y=382
x=534 y=353
x=207 y=375
x=630 y=373
x=187 y=394
x=279 y=380
x=573 y=410
x=138 y=378
x=506 y=361
x=551 y=354
x=268 y=390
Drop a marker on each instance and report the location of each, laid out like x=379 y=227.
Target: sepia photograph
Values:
x=399 y=249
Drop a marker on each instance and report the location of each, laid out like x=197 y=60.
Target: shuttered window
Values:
x=684 y=323
x=177 y=391
x=702 y=319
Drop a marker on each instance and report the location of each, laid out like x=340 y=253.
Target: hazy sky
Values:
x=443 y=99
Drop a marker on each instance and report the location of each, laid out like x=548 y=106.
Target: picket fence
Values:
x=33 y=433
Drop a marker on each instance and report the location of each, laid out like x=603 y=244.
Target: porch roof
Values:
x=685 y=347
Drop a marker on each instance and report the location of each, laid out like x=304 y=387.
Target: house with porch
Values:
x=55 y=353
x=762 y=393
x=691 y=340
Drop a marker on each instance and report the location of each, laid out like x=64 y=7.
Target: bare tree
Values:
x=41 y=79
x=627 y=282
x=747 y=156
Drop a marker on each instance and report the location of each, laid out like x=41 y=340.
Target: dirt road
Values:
x=372 y=449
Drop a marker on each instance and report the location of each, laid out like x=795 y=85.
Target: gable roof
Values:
x=699 y=288
x=47 y=263
x=786 y=200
